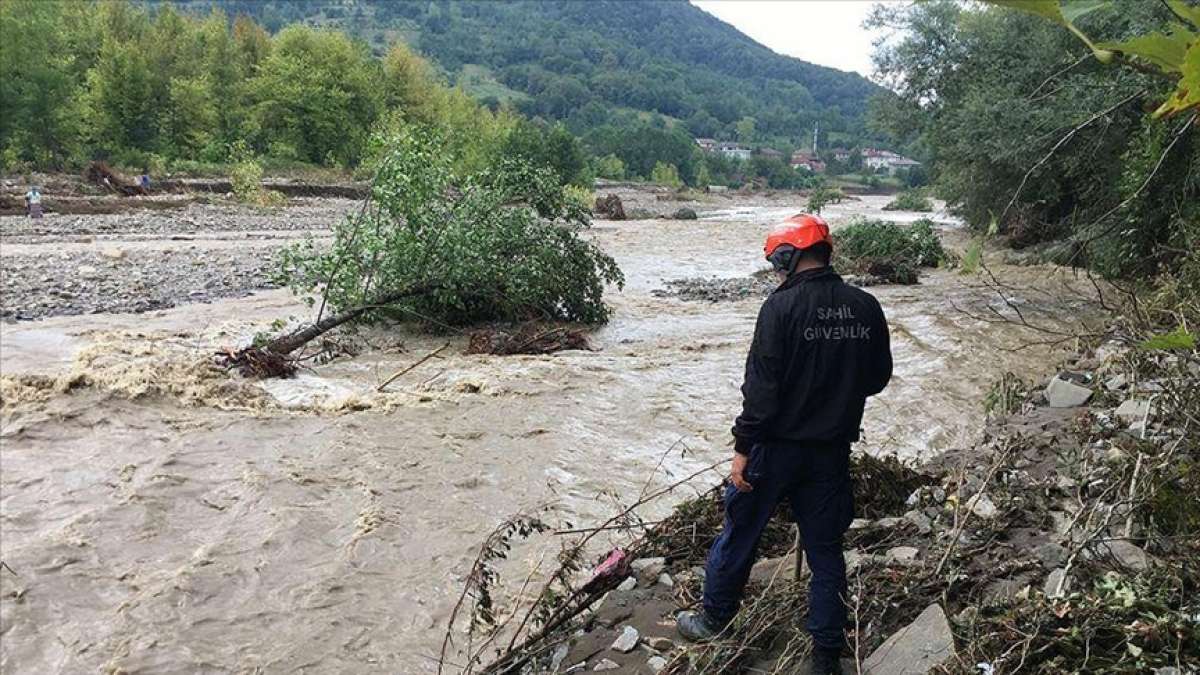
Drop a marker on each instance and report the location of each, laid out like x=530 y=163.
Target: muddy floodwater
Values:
x=158 y=516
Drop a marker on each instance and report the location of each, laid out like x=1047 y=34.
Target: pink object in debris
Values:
x=614 y=568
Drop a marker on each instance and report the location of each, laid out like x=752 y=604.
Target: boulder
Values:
x=1063 y=393
x=919 y=647
x=665 y=579
x=660 y=644
x=629 y=584
x=627 y=641
x=684 y=214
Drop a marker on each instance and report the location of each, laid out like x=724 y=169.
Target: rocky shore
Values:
x=1065 y=541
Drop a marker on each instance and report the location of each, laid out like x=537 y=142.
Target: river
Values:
x=314 y=525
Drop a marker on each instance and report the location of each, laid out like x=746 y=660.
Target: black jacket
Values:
x=820 y=348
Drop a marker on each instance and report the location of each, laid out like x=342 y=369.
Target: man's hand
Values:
x=738 y=473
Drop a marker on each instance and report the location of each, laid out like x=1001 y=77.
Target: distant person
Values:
x=33 y=202
x=820 y=348
x=144 y=179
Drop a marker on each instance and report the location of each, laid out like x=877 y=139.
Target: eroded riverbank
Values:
x=212 y=525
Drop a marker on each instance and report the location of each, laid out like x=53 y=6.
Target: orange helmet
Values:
x=800 y=231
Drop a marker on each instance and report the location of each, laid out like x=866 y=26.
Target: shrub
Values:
x=910 y=200
x=499 y=244
x=888 y=250
x=246 y=176
x=822 y=195
x=666 y=174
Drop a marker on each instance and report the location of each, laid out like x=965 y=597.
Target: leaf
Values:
x=1187 y=92
x=1179 y=338
x=1165 y=51
x=1185 y=11
x=1048 y=9
x=1073 y=9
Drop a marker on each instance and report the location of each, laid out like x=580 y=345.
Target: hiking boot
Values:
x=825 y=662
x=698 y=627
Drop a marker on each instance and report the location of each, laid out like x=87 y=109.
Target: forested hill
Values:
x=585 y=62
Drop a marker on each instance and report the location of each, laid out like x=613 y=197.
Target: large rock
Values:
x=915 y=649
x=1133 y=411
x=684 y=214
x=1053 y=580
x=1063 y=393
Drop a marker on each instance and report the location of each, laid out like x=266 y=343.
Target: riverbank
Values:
x=1064 y=541
x=155 y=501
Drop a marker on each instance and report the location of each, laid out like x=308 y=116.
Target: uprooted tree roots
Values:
x=527 y=339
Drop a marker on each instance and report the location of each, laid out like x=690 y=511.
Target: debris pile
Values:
x=532 y=338
x=100 y=173
x=610 y=207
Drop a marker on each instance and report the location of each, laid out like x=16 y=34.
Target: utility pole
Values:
x=816 y=128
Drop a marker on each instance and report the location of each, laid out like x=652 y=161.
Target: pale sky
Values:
x=826 y=32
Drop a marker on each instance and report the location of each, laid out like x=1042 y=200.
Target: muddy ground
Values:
x=161 y=515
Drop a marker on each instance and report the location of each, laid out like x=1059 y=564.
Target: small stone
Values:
x=1133 y=410
x=982 y=506
x=647 y=569
x=860 y=524
x=1127 y=554
x=1062 y=393
x=656 y=663
x=660 y=644
x=924 y=525
x=87 y=271
x=1116 y=382
x=781 y=568
x=665 y=579
x=902 y=553
x=1055 y=577
x=627 y=641
x=1050 y=554
x=112 y=253
x=559 y=655
x=890 y=522
x=606 y=664
x=629 y=584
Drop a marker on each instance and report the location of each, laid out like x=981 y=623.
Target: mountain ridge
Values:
x=587 y=62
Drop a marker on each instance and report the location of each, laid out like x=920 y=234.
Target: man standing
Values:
x=820 y=348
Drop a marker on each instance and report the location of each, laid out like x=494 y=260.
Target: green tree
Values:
x=746 y=131
x=665 y=174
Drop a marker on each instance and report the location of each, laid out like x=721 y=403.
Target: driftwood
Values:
x=528 y=339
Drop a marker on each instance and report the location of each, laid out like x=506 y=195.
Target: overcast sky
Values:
x=828 y=32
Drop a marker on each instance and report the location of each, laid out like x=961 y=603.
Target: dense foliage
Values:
x=585 y=62
x=171 y=90
x=1032 y=136
x=497 y=244
x=888 y=250
x=910 y=200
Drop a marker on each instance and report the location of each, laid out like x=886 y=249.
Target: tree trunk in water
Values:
x=287 y=344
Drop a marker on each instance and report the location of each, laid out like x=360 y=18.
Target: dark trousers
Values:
x=816 y=480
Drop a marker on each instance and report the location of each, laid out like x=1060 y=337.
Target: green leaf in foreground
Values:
x=1165 y=50
x=1179 y=338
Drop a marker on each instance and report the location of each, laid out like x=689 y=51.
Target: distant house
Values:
x=841 y=154
x=706 y=144
x=887 y=160
x=734 y=150
x=770 y=153
x=802 y=161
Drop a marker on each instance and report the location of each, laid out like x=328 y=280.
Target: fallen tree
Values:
x=498 y=246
